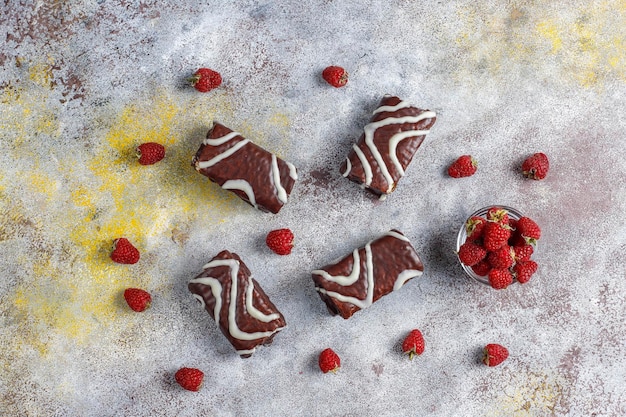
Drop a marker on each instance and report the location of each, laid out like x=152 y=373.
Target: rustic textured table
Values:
x=84 y=82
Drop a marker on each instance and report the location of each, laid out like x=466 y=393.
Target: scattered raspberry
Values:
x=536 y=166
x=124 y=252
x=482 y=268
x=205 y=80
x=502 y=257
x=499 y=279
x=413 y=344
x=150 y=153
x=528 y=229
x=329 y=361
x=474 y=227
x=498 y=215
x=495 y=354
x=335 y=76
x=138 y=300
x=464 y=166
x=495 y=236
x=523 y=252
x=189 y=378
x=524 y=270
x=280 y=241
x=470 y=253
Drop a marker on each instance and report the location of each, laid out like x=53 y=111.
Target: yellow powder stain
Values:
x=550 y=31
x=41 y=73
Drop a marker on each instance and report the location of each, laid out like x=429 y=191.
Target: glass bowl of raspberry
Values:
x=495 y=244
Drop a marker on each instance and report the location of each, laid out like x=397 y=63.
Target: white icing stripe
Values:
x=397 y=235
x=200 y=299
x=367 y=169
x=341 y=279
x=241 y=185
x=216 y=289
x=281 y=194
x=370 y=130
x=246 y=351
x=401 y=105
x=405 y=276
x=293 y=172
x=252 y=310
x=348 y=167
x=221 y=140
x=393 y=144
x=223 y=155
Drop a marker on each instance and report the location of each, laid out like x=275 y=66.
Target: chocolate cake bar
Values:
x=238 y=165
x=243 y=312
x=356 y=281
x=381 y=156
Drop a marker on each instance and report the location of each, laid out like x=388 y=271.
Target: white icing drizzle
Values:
x=252 y=310
x=400 y=105
x=223 y=155
x=370 y=130
x=200 y=299
x=281 y=193
x=293 y=172
x=367 y=169
x=246 y=351
x=244 y=186
x=221 y=140
x=348 y=168
x=393 y=144
x=216 y=289
x=345 y=281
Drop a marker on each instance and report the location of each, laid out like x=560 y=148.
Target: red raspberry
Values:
x=523 y=252
x=536 y=166
x=205 y=79
x=189 y=378
x=474 y=227
x=464 y=166
x=528 y=229
x=280 y=241
x=501 y=258
x=329 y=361
x=124 y=252
x=494 y=354
x=500 y=278
x=498 y=215
x=138 y=300
x=470 y=253
x=150 y=153
x=523 y=271
x=482 y=268
x=495 y=236
x=413 y=344
x=335 y=76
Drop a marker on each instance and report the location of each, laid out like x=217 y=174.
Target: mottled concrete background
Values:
x=83 y=82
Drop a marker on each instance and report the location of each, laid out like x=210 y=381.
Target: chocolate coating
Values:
x=387 y=146
x=382 y=266
x=254 y=321
x=238 y=164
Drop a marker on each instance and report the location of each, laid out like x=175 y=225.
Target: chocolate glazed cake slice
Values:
x=255 y=175
x=381 y=156
x=243 y=312
x=356 y=281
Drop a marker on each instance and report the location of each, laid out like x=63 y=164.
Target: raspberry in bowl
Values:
x=495 y=245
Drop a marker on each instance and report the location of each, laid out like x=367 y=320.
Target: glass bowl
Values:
x=460 y=239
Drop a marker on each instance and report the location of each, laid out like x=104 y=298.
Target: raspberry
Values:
x=523 y=252
x=500 y=278
x=501 y=258
x=280 y=241
x=205 y=80
x=536 y=166
x=464 y=166
x=474 y=227
x=124 y=252
x=329 y=361
x=413 y=344
x=498 y=215
x=470 y=253
x=138 y=300
x=189 y=378
x=523 y=271
x=335 y=76
x=150 y=153
x=494 y=354
x=482 y=268
x=495 y=236
x=528 y=229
